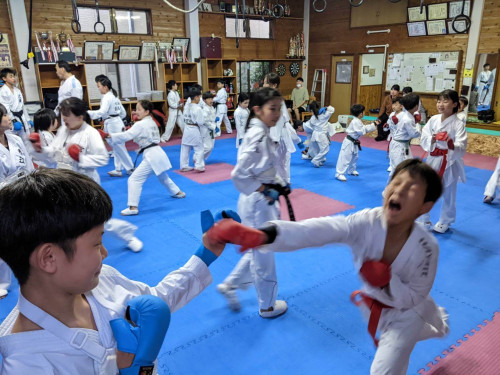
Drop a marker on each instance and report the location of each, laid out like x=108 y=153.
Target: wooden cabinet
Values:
x=214 y=69
x=185 y=74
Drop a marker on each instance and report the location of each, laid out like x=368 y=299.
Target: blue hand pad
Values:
x=321 y=111
x=17 y=126
x=150 y=317
x=227 y=214
x=217 y=119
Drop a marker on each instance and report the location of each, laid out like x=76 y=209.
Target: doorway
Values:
x=341 y=84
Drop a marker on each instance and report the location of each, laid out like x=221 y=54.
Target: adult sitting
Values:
x=300 y=98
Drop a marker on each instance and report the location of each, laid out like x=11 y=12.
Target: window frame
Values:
x=149 y=18
x=247 y=32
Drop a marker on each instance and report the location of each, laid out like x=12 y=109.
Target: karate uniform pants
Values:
x=284 y=160
x=397 y=154
x=493 y=183
x=256 y=266
x=121 y=156
x=139 y=177
x=208 y=146
x=449 y=206
x=120 y=228
x=223 y=117
x=348 y=157
x=482 y=92
x=323 y=147
x=174 y=116
x=5 y=275
x=198 y=157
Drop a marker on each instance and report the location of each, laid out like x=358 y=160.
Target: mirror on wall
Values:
x=481 y=97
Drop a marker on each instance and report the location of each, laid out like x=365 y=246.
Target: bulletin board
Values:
x=428 y=72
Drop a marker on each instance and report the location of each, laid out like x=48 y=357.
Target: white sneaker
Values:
x=3 y=293
x=306 y=157
x=199 y=170
x=180 y=194
x=135 y=244
x=341 y=177
x=278 y=309
x=129 y=212
x=115 y=173
x=441 y=227
x=354 y=173
x=187 y=169
x=230 y=295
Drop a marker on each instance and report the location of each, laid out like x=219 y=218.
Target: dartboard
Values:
x=281 y=70
x=294 y=69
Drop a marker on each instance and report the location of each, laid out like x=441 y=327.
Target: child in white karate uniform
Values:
x=396 y=258
x=207 y=131
x=444 y=138
x=112 y=112
x=146 y=134
x=490 y=192
x=191 y=138
x=462 y=115
x=79 y=147
x=15 y=162
x=12 y=98
x=348 y=156
x=174 y=110
x=403 y=129
x=220 y=102
x=45 y=122
x=255 y=171
x=69 y=300
x=241 y=116
x=320 y=138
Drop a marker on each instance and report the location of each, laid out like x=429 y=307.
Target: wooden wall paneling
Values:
x=335 y=20
x=370 y=97
x=489 y=38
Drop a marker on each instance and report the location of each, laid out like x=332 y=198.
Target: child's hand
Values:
x=124 y=360
x=216 y=247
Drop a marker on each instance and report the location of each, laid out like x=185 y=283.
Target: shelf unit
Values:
x=213 y=70
x=48 y=82
x=185 y=74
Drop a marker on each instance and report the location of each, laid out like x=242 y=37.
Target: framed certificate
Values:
x=437 y=27
x=460 y=25
x=98 y=50
x=416 y=28
x=148 y=51
x=179 y=42
x=455 y=8
x=129 y=52
x=414 y=14
x=437 y=11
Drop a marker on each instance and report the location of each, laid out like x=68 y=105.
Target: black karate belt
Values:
x=355 y=141
x=406 y=143
x=114 y=115
x=285 y=192
x=142 y=150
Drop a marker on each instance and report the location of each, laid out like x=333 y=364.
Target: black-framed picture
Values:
x=148 y=51
x=343 y=72
x=414 y=14
x=436 y=27
x=437 y=11
x=366 y=69
x=206 y=7
x=416 y=28
x=179 y=42
x=129 y=52
x=94 y=50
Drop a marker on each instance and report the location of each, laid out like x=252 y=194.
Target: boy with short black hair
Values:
x=220 y=102
x=209 y=123
x=191 y=137
x=51 y=226
x=348 y=155
x=396 y=258
x=12 y=98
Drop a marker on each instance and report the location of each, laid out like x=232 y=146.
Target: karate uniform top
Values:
x=356 y=128
x=46 y=139
x=405 y=129
x=92 y=155
x=193 y=119
x=70 y=88
x=221 y=100
x=240 y=120
x=40 y=352
x=257 y=159
x=173 y=100
x=462 y=117
x=145 y=132
x=13 y=160
x=208 y=119
x=111 y=107
x=14 y=102
x=412 y=272
x=319 y=125
x=283 y=132
x=483 y=77
x=455 y=170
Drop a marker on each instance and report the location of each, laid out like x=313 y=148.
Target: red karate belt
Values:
x=375 y=311
x=443 y=153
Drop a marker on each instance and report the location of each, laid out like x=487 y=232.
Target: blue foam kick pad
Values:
x=322 y=331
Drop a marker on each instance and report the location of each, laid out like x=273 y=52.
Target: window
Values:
x=124 y=78
x=116 y=21
x=257 y=29
x=251 y=74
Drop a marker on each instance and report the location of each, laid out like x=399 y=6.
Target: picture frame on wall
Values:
x=437 y=11
x=148 y=51
x=130 y=53
x=95 y=50
x=414 y=14
x=455 y=8
x=436 y=27
x=343 y=72
x=179 y=42
x=460 y=25
x=416 y=28
x=366 y=69
x=206 y=7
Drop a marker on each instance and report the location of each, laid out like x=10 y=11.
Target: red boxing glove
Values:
x=418 y=117
x=451 y=144
x=103 y=134
x=35 y=141
x=442 y=136
x=230 y=231
x=395 y=119
x=74 y=152
x=376 y=273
